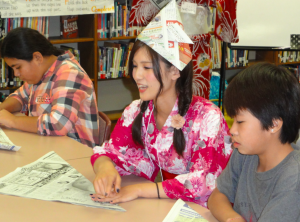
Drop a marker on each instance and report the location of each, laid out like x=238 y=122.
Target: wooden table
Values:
x=20 y=209
x=35 y=146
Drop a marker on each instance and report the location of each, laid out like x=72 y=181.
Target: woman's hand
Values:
x=107 y=181
x=127 y=193
x=7 y=119
x=235 y=219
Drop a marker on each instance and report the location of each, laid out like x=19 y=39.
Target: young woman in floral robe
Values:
x=188 y=172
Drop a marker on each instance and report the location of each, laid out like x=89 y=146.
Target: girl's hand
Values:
x=235 y=219
x=127 y=193
x=6 y=118
x=107 y=181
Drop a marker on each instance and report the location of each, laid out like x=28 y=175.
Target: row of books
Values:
x=113 y=60
x=38 y=23
x=116 y=24
x=212 y=18
x=234 y=58
x=7 y=78
x=289 y=56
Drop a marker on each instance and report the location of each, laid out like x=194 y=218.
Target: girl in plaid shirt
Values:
x=57 y=94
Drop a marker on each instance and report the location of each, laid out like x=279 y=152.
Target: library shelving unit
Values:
x=273 y=57
x=88 y=40
x=88 y=45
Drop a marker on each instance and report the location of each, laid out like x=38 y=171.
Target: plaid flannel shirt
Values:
x=64 y=100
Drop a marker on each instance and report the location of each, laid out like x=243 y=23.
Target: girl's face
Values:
x=26 y=71
x=248 y=136
x=145 y=79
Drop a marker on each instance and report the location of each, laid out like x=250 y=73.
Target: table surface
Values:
x=14 y=208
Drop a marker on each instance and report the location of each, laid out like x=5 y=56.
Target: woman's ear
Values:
x=277 y=125
x=174 y=72
x=38 y=58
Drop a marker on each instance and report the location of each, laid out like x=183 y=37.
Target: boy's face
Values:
x=248 y=136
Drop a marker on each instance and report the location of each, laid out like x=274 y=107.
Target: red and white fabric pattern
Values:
x=143 y=11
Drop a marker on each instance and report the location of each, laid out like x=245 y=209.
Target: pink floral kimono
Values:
x=206 y=153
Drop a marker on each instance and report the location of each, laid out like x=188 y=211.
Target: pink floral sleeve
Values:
x=130 y=158
x=209 y=156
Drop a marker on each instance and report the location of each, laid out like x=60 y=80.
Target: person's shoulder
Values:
x=133 y=107
x=67 y=63
x=203 y=105
x=67 y=70
x=130 y=112
x=289 y=174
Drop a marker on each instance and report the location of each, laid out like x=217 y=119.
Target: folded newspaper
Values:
x=181 y=212
x=52 y=178
x=6 y=144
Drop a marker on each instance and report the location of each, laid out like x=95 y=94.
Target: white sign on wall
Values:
x=36 y=8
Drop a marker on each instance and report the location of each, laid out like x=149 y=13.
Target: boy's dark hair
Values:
x=269 y=92
x=21 y=43
x=183 y=89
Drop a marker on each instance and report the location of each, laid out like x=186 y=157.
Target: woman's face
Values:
x=145 y=79
x=144 y=76
x=26 y=71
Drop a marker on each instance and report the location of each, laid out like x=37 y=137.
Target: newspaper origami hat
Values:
x=165 y=35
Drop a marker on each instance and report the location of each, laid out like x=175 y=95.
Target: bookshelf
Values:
x=88 y=44
x=278 y=57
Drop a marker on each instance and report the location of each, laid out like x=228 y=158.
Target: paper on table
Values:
x=52 y=178
x=181 y=212
x=6 y=144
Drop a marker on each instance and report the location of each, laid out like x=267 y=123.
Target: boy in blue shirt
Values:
x=261 y=180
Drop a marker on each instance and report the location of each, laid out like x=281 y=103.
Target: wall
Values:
x=116 y=94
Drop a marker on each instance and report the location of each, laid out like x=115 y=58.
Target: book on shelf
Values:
x=126 y=58
x=3 y=74
x=68 y=26
x=2 y=28
x=212 y=18
x=102 y=63
x=115 y=52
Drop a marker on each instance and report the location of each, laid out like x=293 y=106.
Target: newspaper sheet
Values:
x=181 y=212
x=165 y=35
x=53 y=179
x=6 y=144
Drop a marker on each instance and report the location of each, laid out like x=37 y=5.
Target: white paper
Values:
x=188 y=7
x=53 y=179
x=36 y=8
x=165 y=35
x=6 y=144
x=181 y=212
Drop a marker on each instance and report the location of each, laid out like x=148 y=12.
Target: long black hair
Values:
x=21 y=43
x=183 y=88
